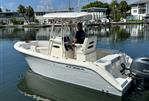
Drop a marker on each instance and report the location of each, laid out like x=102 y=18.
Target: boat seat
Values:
x=89 y=45
x=86 y=50
x=110 y=63
x=57 y=40
x=110 y=58
x=33 y=48
x=59 y=50
x=28 y=45
x=43 y=50
x=41 y=47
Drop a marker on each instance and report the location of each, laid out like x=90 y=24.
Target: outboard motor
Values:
x=140 y=69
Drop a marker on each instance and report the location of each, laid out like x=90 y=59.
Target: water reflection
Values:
x=126 y=38
x=43 y=34
x=122 y=33
x=18 y=33
x=112 y=34
x=54 y=90
x=43 y=88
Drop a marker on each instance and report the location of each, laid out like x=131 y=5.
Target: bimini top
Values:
x=79 y=16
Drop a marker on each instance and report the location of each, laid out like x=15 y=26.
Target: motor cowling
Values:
x=140 y=69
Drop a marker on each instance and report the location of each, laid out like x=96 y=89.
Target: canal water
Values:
x=18 y=83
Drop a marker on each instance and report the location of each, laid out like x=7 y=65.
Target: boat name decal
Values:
x=144 y=70
x=75 y=67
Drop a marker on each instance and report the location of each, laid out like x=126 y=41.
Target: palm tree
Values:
x=22 y=10
x=30 y=13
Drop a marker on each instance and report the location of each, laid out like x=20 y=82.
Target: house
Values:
x=97 y=13
x=140 y=9
x=6 y=17
x=38 y=16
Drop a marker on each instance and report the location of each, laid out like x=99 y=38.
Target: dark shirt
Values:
x=80 y=36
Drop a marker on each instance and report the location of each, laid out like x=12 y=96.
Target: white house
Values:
x=97 y=13
x=6 y=17
x=140 y=9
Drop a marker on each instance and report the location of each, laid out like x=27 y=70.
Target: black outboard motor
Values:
x=140 y=69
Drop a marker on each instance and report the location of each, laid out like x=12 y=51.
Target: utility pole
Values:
x=1 y=4
x=69 y=6
x=78 y=5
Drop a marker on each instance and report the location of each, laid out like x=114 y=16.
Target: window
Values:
x=142 y=11
x=134 y=11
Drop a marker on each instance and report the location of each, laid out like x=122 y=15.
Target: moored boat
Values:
x=81 y=64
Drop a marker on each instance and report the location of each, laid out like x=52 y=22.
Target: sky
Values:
x=45 y=4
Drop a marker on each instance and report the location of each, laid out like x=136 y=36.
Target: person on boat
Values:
x=80 y=34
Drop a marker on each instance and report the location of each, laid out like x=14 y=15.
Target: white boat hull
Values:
x=72 y=74
x=102 y=74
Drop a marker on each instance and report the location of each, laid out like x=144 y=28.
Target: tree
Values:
x=16 y=21
x=26 y=12
x=115 y=11
x=30 y=13
x=22 y=11
x=7 y=10
x=1 y=10
x=96 y=4
x=123 y=6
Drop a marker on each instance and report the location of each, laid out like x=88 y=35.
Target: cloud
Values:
x=44 y=5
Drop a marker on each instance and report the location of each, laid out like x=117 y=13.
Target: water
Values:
x=16 y=78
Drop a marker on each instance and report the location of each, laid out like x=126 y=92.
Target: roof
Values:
x=79 y=16
x=52 y=11
x=95 y=9
x=140 y=2
x=9 y=13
